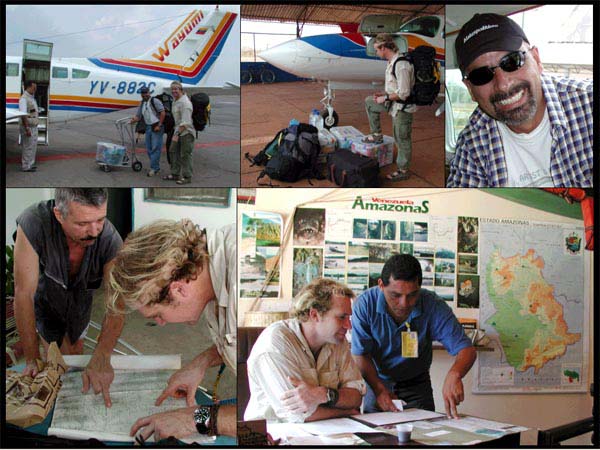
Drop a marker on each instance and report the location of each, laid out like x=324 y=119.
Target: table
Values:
x=428 y=430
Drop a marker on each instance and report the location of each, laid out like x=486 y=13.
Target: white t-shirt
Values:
x=527 y=155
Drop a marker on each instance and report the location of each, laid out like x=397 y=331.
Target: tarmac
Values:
x=70 y=157
x=267 y=108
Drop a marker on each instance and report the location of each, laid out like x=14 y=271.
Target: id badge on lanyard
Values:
x=410 y=343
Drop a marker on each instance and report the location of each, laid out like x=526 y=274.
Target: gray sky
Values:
x=52 y=20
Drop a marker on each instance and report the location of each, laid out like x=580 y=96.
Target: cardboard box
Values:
x=383 y=153
x=327 y=141
x=346 y=133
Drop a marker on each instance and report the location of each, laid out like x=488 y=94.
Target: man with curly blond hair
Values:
x=301 y=370
x=175 y=272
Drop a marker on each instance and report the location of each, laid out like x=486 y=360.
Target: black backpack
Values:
x=168 y=123
x=296 y=156
x=201 y=113
x=351 y=170
x=427 y=75
x=262 y=157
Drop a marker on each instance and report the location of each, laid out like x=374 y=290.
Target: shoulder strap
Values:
x=400 y=58
x=154 y=106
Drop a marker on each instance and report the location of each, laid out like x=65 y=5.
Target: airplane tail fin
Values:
x=187 y=54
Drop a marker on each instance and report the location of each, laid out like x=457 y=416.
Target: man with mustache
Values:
x=530 y=129
x=394 y=325
x=63 y=247
x=300 y=369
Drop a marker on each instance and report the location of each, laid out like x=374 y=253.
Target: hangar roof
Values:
x=332 y=14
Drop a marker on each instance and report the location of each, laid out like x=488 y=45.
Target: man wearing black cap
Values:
x=530 y=129
x=153 y=113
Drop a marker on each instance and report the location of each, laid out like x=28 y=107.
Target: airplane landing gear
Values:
x=330 y=120
x=330 y=117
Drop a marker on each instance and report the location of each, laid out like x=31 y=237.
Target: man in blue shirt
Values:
x=393 y=326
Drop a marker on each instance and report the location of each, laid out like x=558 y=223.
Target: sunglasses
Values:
x=509 y=63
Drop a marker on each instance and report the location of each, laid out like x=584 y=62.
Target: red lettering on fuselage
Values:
x=180 y=34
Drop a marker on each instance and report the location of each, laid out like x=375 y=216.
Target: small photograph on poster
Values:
x=333 y=248
x=420 y=231
x=388 y=230
x=378 y=255
x=406 y=231
x=467 y=263
x=444 y=279
x=308 y=265
x=423 y=251
x=445 y=265
x=445 y=293
x=359 y=229
x=374 y=229
x=268 y=234
x=442 y=252
x=406 y=248
x=260 y=241
x=468 y=231
x=309 y=226
x=426 y=264
x=334 y=263
x=252 y=275
x=468 y=291
x=427 y=279
x=340 y=277
x=358 y=266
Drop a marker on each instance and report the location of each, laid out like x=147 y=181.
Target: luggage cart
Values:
x=112 y=155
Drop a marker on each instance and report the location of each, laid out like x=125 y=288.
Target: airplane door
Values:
x=37 y=57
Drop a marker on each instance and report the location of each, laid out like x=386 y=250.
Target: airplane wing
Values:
x=13 y=115
x=458 y=15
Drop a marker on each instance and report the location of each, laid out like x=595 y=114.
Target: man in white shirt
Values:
x=29 y=127
x=300 y=369
x=174 y=272
x=399 y=79
x=153 y=112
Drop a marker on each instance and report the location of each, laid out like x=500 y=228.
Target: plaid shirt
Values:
x=479 y=159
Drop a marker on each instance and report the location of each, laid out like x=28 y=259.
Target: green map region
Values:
x=528 y=318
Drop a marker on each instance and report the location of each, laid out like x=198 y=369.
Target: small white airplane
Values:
x=347 y=60
x=79 y=87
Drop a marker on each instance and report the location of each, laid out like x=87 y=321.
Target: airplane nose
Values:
x=281 y=56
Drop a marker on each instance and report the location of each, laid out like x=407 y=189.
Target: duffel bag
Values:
x=347 y=169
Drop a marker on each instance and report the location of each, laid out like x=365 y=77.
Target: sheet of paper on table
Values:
x=408 y=415
x=335 y=426
x=481 y=426
x=133 y=393
x=345 y=439
x=320 y=428
x=130 y=362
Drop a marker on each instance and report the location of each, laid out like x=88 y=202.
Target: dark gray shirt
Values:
x=63 y=305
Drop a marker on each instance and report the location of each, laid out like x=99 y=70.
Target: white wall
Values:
x=532 y=410
x=207 y=217
x=18 y=200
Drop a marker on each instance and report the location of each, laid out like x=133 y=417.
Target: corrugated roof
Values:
x=332 y=14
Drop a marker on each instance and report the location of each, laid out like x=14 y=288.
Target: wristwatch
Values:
x=201 y=418
x=332 y=397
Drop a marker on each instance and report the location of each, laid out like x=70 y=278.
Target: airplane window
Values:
x=426 y=26
x=12 y=70
x=459 y=105
x=78 y=73
x=60 y=72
